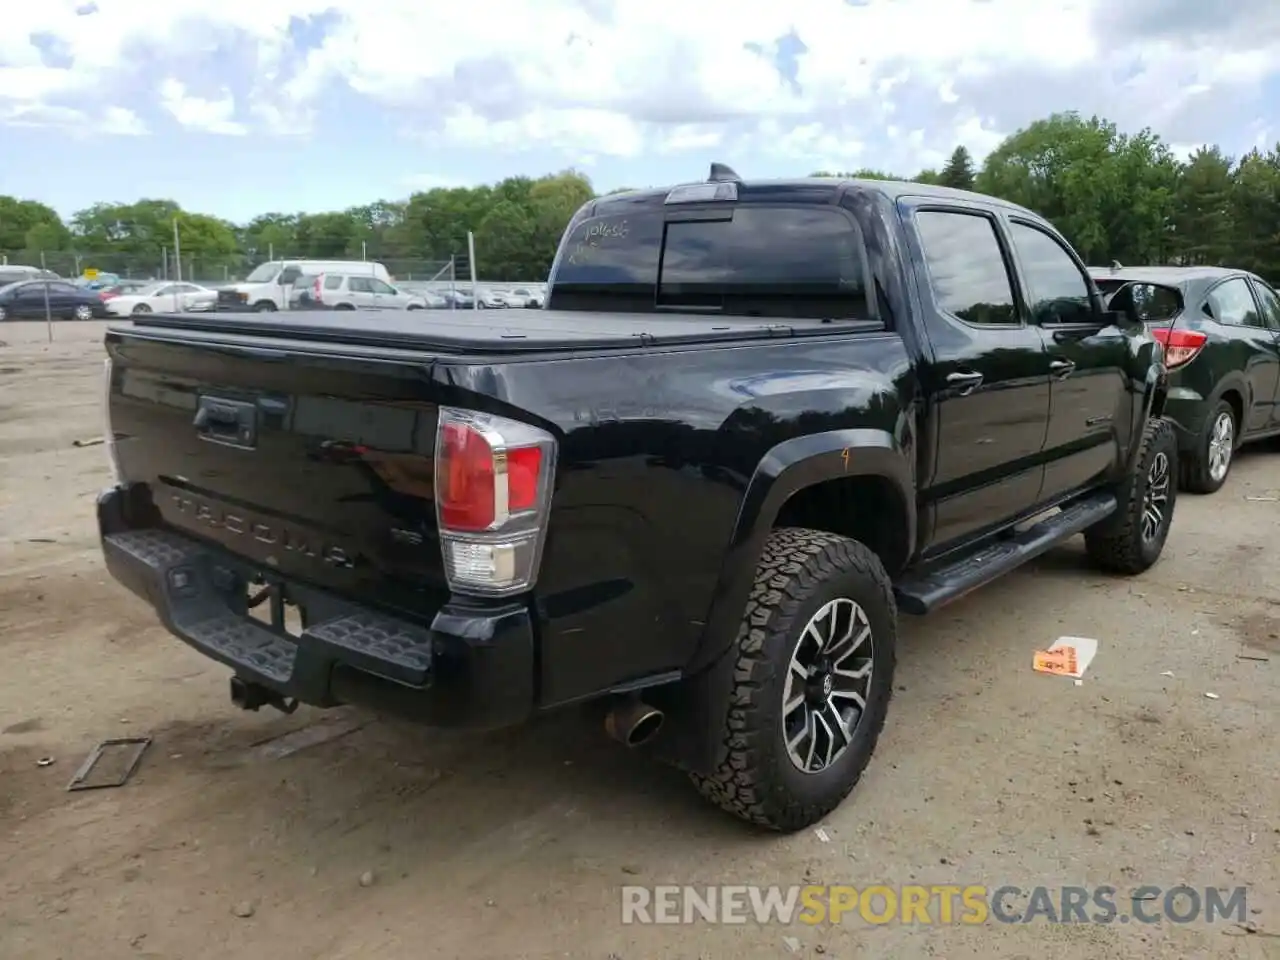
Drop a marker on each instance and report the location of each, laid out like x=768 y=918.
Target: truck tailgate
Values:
x=317 y=467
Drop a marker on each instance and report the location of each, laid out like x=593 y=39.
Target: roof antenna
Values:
x=722 y=172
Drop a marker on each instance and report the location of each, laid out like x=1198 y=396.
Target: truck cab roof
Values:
x=817 y=190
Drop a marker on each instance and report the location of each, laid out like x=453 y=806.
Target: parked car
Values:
x=457 y=299
x=750 y=428
x=1221 y=331
x=13 y=273
x=162 y=297
x=116 y=288
x=486 y=299
x=510 y=299
x=63 y=300
x=270 y=285
x=343 y=291
x=529 y=297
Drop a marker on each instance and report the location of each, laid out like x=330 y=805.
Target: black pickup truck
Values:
x=755 y=422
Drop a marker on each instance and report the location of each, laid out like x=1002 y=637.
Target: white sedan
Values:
x=164 y=298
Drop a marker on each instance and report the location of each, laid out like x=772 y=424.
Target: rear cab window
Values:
x=746 y=259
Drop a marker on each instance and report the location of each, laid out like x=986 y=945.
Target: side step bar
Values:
x=936 y=586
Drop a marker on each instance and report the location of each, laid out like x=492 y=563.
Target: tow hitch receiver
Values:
x=252 y=696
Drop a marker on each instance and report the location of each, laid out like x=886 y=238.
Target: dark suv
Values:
x=1221 y=332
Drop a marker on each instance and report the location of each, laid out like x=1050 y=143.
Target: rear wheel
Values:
x=82 y=312
x=264 y=306
x=1205 y=471
x=814 y=674
x=141 y=308
x=1130 y=541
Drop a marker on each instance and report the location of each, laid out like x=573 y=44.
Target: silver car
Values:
x=345 y=291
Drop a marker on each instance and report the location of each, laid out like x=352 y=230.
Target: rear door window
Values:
x=751 y=260
x=1232 y=302
x=966 y=266
x=333 y=281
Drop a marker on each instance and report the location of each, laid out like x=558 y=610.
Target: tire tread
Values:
x=1119 y=548
x=794 y=563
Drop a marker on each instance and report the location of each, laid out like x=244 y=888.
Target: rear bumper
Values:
x=469 y=668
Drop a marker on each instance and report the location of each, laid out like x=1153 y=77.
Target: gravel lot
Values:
x=367 y=839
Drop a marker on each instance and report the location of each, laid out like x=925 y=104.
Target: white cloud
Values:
x=196 y=113
x=112 y=121
x=122 y=122
x=886 y=83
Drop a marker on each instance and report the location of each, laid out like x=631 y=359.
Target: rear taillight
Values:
x=1180 y=346
x=493 y=480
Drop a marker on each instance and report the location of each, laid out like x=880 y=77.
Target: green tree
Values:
x=1111 y=195
x=18 y=217
x=1202 y=218
x=268 y=234
x=506 y=242
x=1114 y=195
x=958 y=172
x=1255 y=213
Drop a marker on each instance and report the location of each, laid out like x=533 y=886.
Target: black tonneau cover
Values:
x=484 y=331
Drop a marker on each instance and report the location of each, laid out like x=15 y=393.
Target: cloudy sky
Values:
x=238 y=106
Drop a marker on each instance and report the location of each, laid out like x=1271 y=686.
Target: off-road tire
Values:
x=1194 y=473
x=798 y=572
x=1116 y=545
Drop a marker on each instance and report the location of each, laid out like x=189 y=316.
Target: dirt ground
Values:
x=362 y=838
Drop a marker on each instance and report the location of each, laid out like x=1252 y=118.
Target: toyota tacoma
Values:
x=755 y=421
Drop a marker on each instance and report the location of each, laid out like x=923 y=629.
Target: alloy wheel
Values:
x=828 y=681
x=1221 y=443
x=1155 y=502
x=84 y=312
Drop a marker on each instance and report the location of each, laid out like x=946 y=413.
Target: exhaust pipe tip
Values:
x=633 y=723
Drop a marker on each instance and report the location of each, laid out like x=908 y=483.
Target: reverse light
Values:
x=1180 y=346
x=493 y=480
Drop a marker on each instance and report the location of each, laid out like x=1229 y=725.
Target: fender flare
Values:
x=697 y=712
x=786 y=468
x=1155 y=390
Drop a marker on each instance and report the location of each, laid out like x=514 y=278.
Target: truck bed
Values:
x=481 y=331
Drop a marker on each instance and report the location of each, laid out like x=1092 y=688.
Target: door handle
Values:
x=965 y=381
x=1061 y=368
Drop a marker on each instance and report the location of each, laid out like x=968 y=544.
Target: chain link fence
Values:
x=211 y=271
